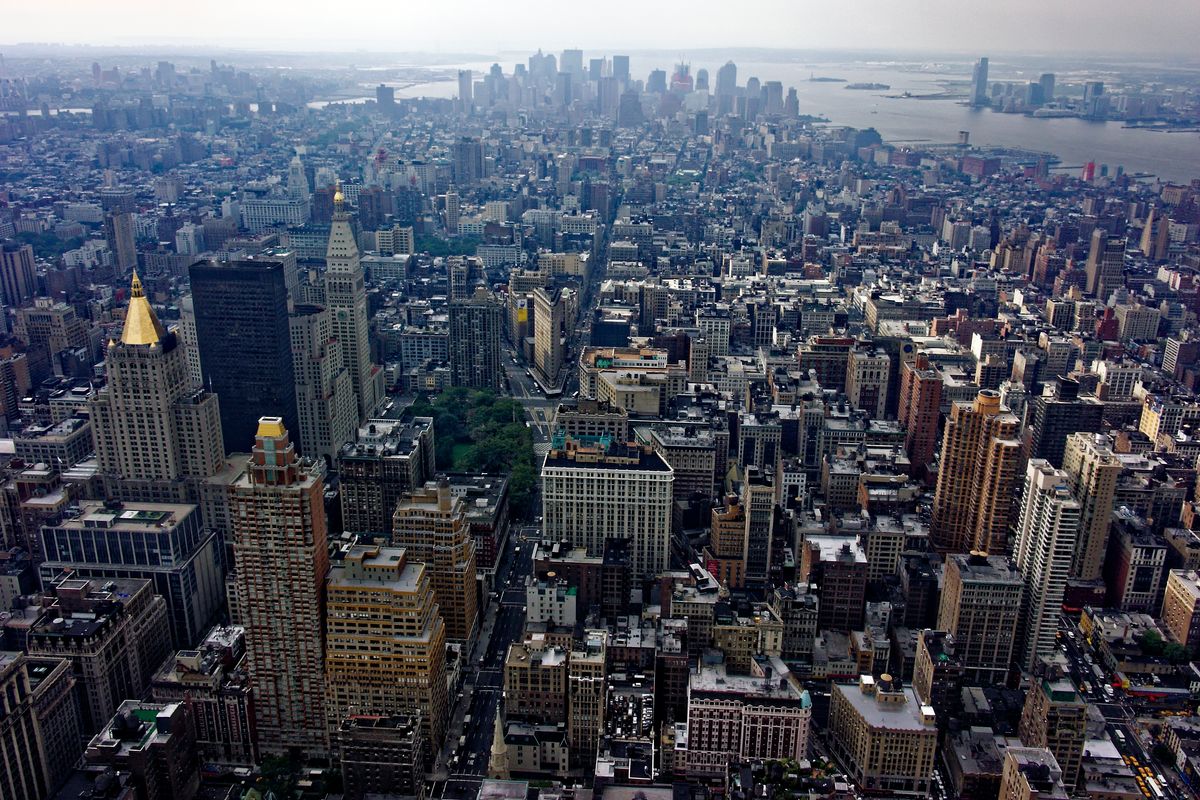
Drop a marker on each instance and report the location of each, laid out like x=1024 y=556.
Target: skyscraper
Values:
x=325 y=403
x=151 y=425
x=385 y=98
x=1047 y=535
x=1105 y=267
x=281 y=558
x=18 y=275
x=244 y=338
x=979 y=83
x=475 y=329
x=405 y=634
x=431 y=525
x=976 y=477
x=620 y=68
x=466 y=92
x=920 y=410
x=1058 y=412
x=468 y=161
x=551 y=309
x=118 y=233
x=346 y=299
x=1094 y=471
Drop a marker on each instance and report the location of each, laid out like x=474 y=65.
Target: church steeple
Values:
x=498 y=758
x=141 y=323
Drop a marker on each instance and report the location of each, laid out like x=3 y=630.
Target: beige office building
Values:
x=1181 y=607
x=883 y=736
x=431 y=525
x=385 y=641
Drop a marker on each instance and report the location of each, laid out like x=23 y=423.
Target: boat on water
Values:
x=876 y=86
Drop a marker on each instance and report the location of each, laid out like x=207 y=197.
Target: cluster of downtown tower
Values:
x=588 y=434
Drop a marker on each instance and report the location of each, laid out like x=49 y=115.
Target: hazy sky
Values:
x=1154 y=27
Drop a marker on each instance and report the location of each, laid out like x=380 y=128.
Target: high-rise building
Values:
x=380 y=603
x=211 y=680
x=346 y=299
x=163 y=543
x=920 y=410
x=18 y=274
x=466 y=94
x=476 y=326
x=387 y=461
x=1031 y=773
x=118 y=233
x=114 y=634
x=382 y=755
x=1055 y=717
x=1181 y=607
x=981 y=607
x=620 y=68
x=244 y=337
x=571 y=62
x=281 y=560
x=41 y=732
x=593 y=490
x=326 y=406
x=758 y=498
x=1057 y=413
x=976 y=477
x=725 y=556
x=937 y=673
x=431 y=525
x=151 y=424
x=467 y=154
x=1047 y=534
x=867 y=377
x=551 y=316
x=154 y=746
x=1094 y=470
x=1105 y=267
x=979 y=83
x=1046 y=81
x=587 y=683
x=385 y=98
x=884 y=736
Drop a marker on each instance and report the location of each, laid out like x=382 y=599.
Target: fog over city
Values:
x=1105 y=27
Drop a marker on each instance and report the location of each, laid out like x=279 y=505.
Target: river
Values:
x=1170 y=156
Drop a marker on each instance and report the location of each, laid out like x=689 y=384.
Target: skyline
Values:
x=906 y=26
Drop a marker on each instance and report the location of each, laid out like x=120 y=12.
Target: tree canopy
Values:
x=481 y=431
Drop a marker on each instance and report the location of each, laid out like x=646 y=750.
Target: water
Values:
x=1170 y=156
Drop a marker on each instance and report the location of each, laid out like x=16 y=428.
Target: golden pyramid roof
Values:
x=141 y=324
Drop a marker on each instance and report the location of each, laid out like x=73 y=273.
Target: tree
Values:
x=1151 y=643
x=1177 y=653
x=1164 y=754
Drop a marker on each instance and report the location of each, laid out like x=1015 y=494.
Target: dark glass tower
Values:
x=245 y=344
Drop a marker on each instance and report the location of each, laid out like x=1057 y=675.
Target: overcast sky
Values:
x=1154 y=27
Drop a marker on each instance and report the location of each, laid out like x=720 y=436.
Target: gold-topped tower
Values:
x=141 y=323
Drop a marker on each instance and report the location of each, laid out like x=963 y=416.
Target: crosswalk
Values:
x=540 y=449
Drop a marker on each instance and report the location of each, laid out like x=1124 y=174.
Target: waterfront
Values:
x=1170 y=156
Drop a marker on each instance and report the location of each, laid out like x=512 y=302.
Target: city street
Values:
x=484 y=678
